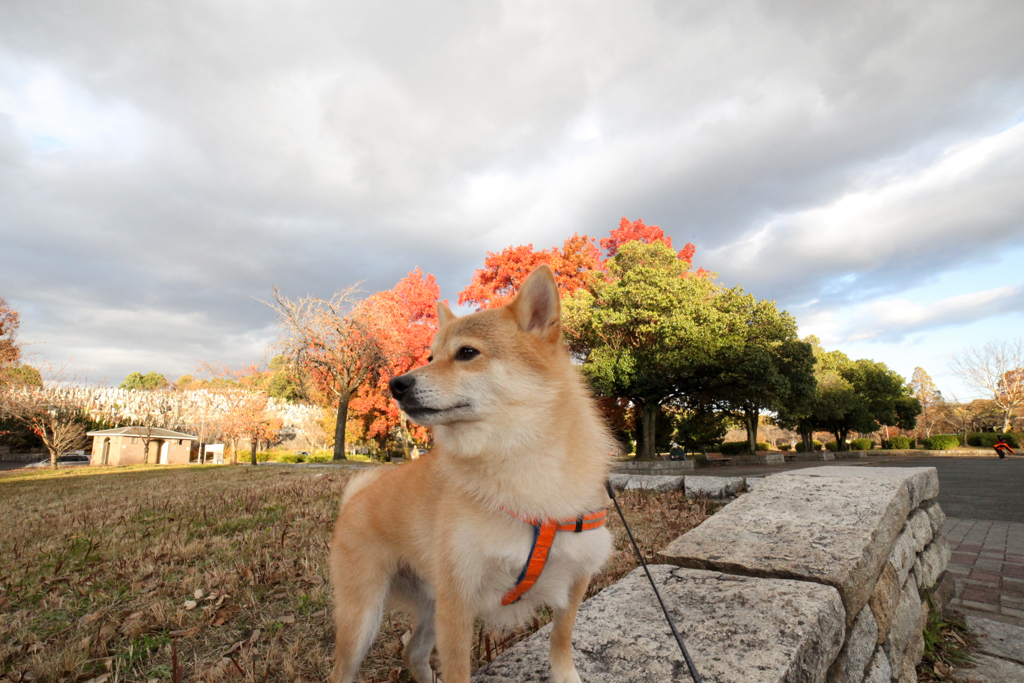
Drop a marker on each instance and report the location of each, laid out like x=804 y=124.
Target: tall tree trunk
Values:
x=841 y=444
x=807 y=437
x=252 y=447
x=1006 y=419
x=648 y=414
x=339 y=428
x=53 y=459
x=638 y=427
x=750 y=418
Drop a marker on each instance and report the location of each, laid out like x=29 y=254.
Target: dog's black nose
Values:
x=401 y=385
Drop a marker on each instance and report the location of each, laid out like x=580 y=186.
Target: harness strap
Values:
x=543 y=538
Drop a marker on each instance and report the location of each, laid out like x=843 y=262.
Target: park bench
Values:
x=716 y=458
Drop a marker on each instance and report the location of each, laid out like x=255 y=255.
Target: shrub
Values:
x=942 y=442
x=800 y=446
x=733 y=447
x=864 y=444
x=785 y=446
x=763 y=446
x=320 y=457
x=901 y=443
x=831 y=446
x=988 y=439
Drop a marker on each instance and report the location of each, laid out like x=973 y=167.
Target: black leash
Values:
x=679 y=639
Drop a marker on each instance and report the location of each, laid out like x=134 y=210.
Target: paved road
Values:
x=982 y=487
x=976 y=488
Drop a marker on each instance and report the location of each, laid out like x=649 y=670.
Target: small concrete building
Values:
x=126 y=446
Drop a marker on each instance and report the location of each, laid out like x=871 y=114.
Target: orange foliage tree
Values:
x=10 y=352
x=574 y=264
x=404 y=319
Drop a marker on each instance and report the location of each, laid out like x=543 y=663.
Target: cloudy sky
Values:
x=162 y=165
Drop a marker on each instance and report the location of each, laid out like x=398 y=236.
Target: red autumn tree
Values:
x=574 y=264
x=404 y=320
x=638 y=231
x=503 y=272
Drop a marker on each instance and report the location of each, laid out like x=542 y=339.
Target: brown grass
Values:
x=113 y=575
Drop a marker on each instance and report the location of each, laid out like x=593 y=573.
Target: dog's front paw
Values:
x=569 y=676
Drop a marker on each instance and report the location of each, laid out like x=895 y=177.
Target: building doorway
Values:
x=164 y=448
x=105 y=454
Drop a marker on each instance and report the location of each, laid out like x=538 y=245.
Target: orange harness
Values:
x=543 y=537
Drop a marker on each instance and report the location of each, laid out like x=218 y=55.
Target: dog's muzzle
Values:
x=400 y=386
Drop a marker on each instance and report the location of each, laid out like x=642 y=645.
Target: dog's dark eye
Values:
x=466 y=353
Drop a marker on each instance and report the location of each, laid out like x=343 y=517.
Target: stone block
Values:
x=752 y=482
x=773 y=458
x=998 y=638
x=903 y=554
x=884 y=599
x=619 y=481
x=943 y=592
x=826 y=455
x=655 y=482
x=712 y=487
x=920 y=528
x=907 y=672
x=879 y=669
x=990 y=670
x=935 y=514
x=736 y=629
x=922 y=483
x=907 y=623
x=860 y=644
x=837 y=530
x=932 y=562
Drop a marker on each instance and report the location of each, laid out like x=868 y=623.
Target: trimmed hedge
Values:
x=800 y=446
x=831 y=446
x=988 y=439
x=864 y=444
x=900 y=443
x=785 y=446
x=942 y=442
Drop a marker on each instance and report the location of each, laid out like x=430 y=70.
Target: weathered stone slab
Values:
x=922 y=482
x=736 y=629
x=990 y=670
x=752 y=482
x=774 y=458
x=836 y=529
x=906 y=627
x=920 y=527
x=998 y=638
x=860 y=644
x=932 y=562
x=826 y=455
x=935 y=514
x=619 y=481
x=713 y=487
x=884 y=599
x=903 y=555
x=879 y=669
x=655 y=482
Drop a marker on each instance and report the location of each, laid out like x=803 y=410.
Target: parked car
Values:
x=70 y=460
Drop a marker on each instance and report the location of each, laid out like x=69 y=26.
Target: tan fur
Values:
x=514 y=428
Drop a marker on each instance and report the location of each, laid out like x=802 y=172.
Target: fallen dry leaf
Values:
x=198 y=594
x=185 y=633
x=190 y=604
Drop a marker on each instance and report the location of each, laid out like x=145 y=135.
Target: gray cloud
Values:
x=162 y=165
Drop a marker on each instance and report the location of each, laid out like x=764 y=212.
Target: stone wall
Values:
x=818 y=575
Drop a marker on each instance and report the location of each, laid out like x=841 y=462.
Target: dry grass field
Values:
x=123 y=574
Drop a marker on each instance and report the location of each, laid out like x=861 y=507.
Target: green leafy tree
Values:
x=643 y=328
x=762 y=365
x=148 y=382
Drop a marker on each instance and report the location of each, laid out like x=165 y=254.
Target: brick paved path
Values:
x=987 y=565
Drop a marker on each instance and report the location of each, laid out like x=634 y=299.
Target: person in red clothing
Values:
x=1002 y=447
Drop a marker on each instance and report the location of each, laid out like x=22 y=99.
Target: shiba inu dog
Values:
x=517 y=472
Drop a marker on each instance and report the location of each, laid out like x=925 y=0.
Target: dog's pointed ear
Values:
x=444 y=314
x=537 y=307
